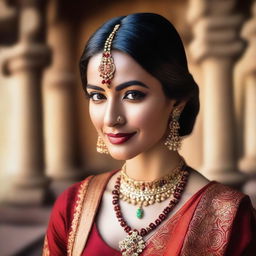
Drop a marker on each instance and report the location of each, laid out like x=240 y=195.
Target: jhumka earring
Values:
x=107 y=67
x=173 y=140
x=101 y=146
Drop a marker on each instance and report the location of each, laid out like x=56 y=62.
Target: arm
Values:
x=243 y=234
x=56 y=237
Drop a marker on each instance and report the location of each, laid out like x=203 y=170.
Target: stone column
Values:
x=25 y=63
x=246 y=105
x=8 y=17
x=248 y=162
x=62 y=156
x=215 y=47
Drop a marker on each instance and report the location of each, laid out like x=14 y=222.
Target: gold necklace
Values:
x=134 y=243
x=144 y=193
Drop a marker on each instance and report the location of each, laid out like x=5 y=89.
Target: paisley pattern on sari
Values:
x=157 y=245
x=210 y=229
x=215 y=221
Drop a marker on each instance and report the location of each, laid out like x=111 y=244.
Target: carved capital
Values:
x=26 y=56
x=8 y=23
x=31 y=24
x=216 y=25
x=7 y=13
x=249 y=34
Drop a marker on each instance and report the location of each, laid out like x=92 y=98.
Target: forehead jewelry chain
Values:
x=107 y=67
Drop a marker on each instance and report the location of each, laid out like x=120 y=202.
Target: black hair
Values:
x=155 y=44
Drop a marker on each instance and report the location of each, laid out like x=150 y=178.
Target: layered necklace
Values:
x=143 y=194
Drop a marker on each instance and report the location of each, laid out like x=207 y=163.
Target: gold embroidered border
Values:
x=157 y=245
x=46 y=251
x=210 y=228
x=77 y=214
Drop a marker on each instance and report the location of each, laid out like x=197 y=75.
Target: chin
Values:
x=122 y=155
x=131 y=150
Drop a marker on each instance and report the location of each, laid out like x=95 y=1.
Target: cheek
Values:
x=149 y=118
x=96 y=116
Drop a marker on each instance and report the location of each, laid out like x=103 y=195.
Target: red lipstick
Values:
x=119 y=138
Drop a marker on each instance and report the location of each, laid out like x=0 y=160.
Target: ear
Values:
x=177 y=105
x=180 y=104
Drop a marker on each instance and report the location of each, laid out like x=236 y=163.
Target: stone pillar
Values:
x=248 y=162
x=215 y=46
x=25 y=63
x=62 y=156
x=8 y=16
x=246 y=105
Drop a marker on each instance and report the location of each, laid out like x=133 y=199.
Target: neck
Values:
x=152 y=165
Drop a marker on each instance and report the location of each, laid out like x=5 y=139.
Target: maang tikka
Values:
x=107 y=67
x=173 y=140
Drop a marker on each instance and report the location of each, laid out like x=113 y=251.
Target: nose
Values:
x=112 y=113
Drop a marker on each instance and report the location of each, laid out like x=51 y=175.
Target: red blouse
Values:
x=96 y=246
x=217 y=220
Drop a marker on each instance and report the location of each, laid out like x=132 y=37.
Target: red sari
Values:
x=217 y=220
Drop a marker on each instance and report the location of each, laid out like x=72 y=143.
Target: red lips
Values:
x=119 y=138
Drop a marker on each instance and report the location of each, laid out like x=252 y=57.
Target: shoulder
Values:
x=61 y=218
x=67 y=200
x=227 y=212
x=196 y=182
x=217 y=199
x=216 y=192
x=66 y=213
x=214 y=218
x=222 y=195
x=220 y=204
x=76 y=192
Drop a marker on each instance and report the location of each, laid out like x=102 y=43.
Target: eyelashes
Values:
x=95 y=96
x=132 y=95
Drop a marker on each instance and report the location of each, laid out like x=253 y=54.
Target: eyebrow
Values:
x=120 y=86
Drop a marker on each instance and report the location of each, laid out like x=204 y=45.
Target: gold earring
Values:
x=173 y=140
x=101 y=146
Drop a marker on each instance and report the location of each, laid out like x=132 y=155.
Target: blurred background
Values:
x=47 y=141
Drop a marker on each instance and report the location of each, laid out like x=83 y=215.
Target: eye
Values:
x=95 y=96
x=134 y=95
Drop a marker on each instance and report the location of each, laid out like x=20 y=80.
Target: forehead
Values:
x=126 y=69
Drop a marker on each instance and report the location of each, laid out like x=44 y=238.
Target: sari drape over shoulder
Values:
x=217 y=220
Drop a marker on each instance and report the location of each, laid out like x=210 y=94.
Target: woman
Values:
x=142 y=100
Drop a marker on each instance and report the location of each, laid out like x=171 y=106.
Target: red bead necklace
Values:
x=134 y=244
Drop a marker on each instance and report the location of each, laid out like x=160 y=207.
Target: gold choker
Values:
x=144 y=193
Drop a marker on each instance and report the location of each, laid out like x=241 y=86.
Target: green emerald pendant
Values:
x=139 y=213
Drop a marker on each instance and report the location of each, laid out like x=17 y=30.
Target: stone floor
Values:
x=22 y=230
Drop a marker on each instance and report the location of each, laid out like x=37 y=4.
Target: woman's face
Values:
x=138 y=98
